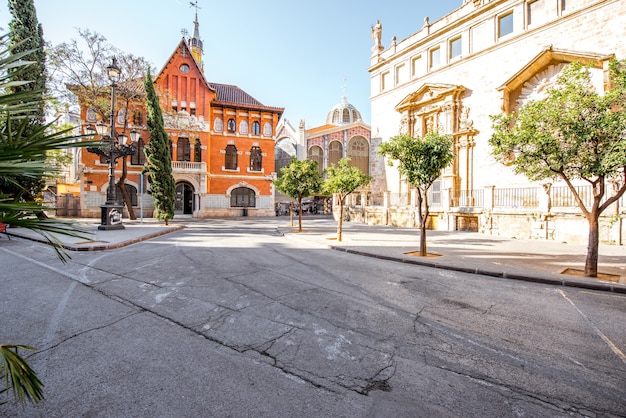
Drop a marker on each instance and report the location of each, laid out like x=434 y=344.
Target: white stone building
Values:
x=482 y=58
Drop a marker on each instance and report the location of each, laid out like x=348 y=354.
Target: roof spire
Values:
x=344 y=88
x=195 y=41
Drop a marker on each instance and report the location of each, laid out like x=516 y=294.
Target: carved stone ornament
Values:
x=182 y=120
x=537 y=86
x=465 y=123
x=404 y=124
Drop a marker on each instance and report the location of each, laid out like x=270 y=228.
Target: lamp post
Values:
x=113 y=146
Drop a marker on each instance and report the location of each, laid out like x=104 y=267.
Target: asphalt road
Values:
x=230 y=318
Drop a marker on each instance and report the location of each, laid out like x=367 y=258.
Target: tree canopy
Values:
x=420 y=162
x=575 y=133
x=159 y=156
x=26 y=35
x=300 y=179
x=78 y=72
x=342 y=180
x=26 y=39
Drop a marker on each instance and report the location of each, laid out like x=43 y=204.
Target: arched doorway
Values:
x=183 y=205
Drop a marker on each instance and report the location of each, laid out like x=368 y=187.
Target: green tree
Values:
x=342 y=180
x=24 y=149
x=301 y=178
x=421 y=161
x=158 y=156
x=575 y=133
x=26 y=36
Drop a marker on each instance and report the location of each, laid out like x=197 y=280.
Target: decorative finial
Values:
x=195 y=4
x=184 y=32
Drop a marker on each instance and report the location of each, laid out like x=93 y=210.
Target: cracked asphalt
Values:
x=230 y=318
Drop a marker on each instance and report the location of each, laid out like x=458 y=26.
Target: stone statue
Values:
x=404 y=124
x=377 y=33
x=465 y=122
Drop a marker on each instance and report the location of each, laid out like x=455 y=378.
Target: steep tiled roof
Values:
x=233 y=94
x=320 y=128
x=229 y=95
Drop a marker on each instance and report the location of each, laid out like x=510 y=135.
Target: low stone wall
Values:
x=236 y=212
x=561 y=226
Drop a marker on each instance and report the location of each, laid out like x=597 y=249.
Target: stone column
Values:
x=488 y=198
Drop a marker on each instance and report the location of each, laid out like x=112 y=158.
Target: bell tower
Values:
x=195 y=42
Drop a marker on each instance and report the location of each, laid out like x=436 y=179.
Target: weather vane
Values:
x=195 y=4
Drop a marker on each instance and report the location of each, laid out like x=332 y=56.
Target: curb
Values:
x=607 y=287
x=601 y=286
x=103 y=247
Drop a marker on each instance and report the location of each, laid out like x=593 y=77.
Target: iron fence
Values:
x=524 y=197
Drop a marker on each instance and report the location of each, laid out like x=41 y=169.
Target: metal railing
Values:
x=467 y=198
x=525 y=197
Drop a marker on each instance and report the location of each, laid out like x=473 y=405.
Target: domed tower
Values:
x=343 y=114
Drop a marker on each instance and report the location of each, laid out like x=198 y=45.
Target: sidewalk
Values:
x=530 y=260
x=96 y=240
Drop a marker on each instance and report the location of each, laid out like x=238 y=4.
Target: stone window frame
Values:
x=452 y=43
x=434 y=52
x=500 y=20
x=230 y=158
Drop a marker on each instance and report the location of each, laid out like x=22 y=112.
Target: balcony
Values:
x=188 y=167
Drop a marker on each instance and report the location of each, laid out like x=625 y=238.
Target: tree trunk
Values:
x=299 y=214
x=591 y=262
x=340 y=221
x=422 y=208
x=127 y=200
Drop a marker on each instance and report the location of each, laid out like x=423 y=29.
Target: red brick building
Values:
x=222 y=142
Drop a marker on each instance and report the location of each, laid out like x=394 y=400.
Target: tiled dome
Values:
x=343 y=113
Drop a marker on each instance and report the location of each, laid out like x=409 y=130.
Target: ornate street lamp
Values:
x=113 y=146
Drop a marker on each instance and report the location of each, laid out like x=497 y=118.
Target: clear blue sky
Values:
x=284 y=53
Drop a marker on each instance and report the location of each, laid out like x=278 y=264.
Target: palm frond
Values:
x=24 y=215
x=18 y=376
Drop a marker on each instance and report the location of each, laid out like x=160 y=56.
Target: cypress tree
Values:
x=26 y=34
x=26 y=37
x=158 y=156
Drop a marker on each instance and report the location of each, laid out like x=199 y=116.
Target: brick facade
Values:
x=202 y=120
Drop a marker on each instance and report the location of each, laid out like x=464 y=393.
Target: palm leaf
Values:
x=18 y=375
x=24 y=145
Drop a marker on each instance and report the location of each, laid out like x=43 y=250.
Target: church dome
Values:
x=343 y=113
